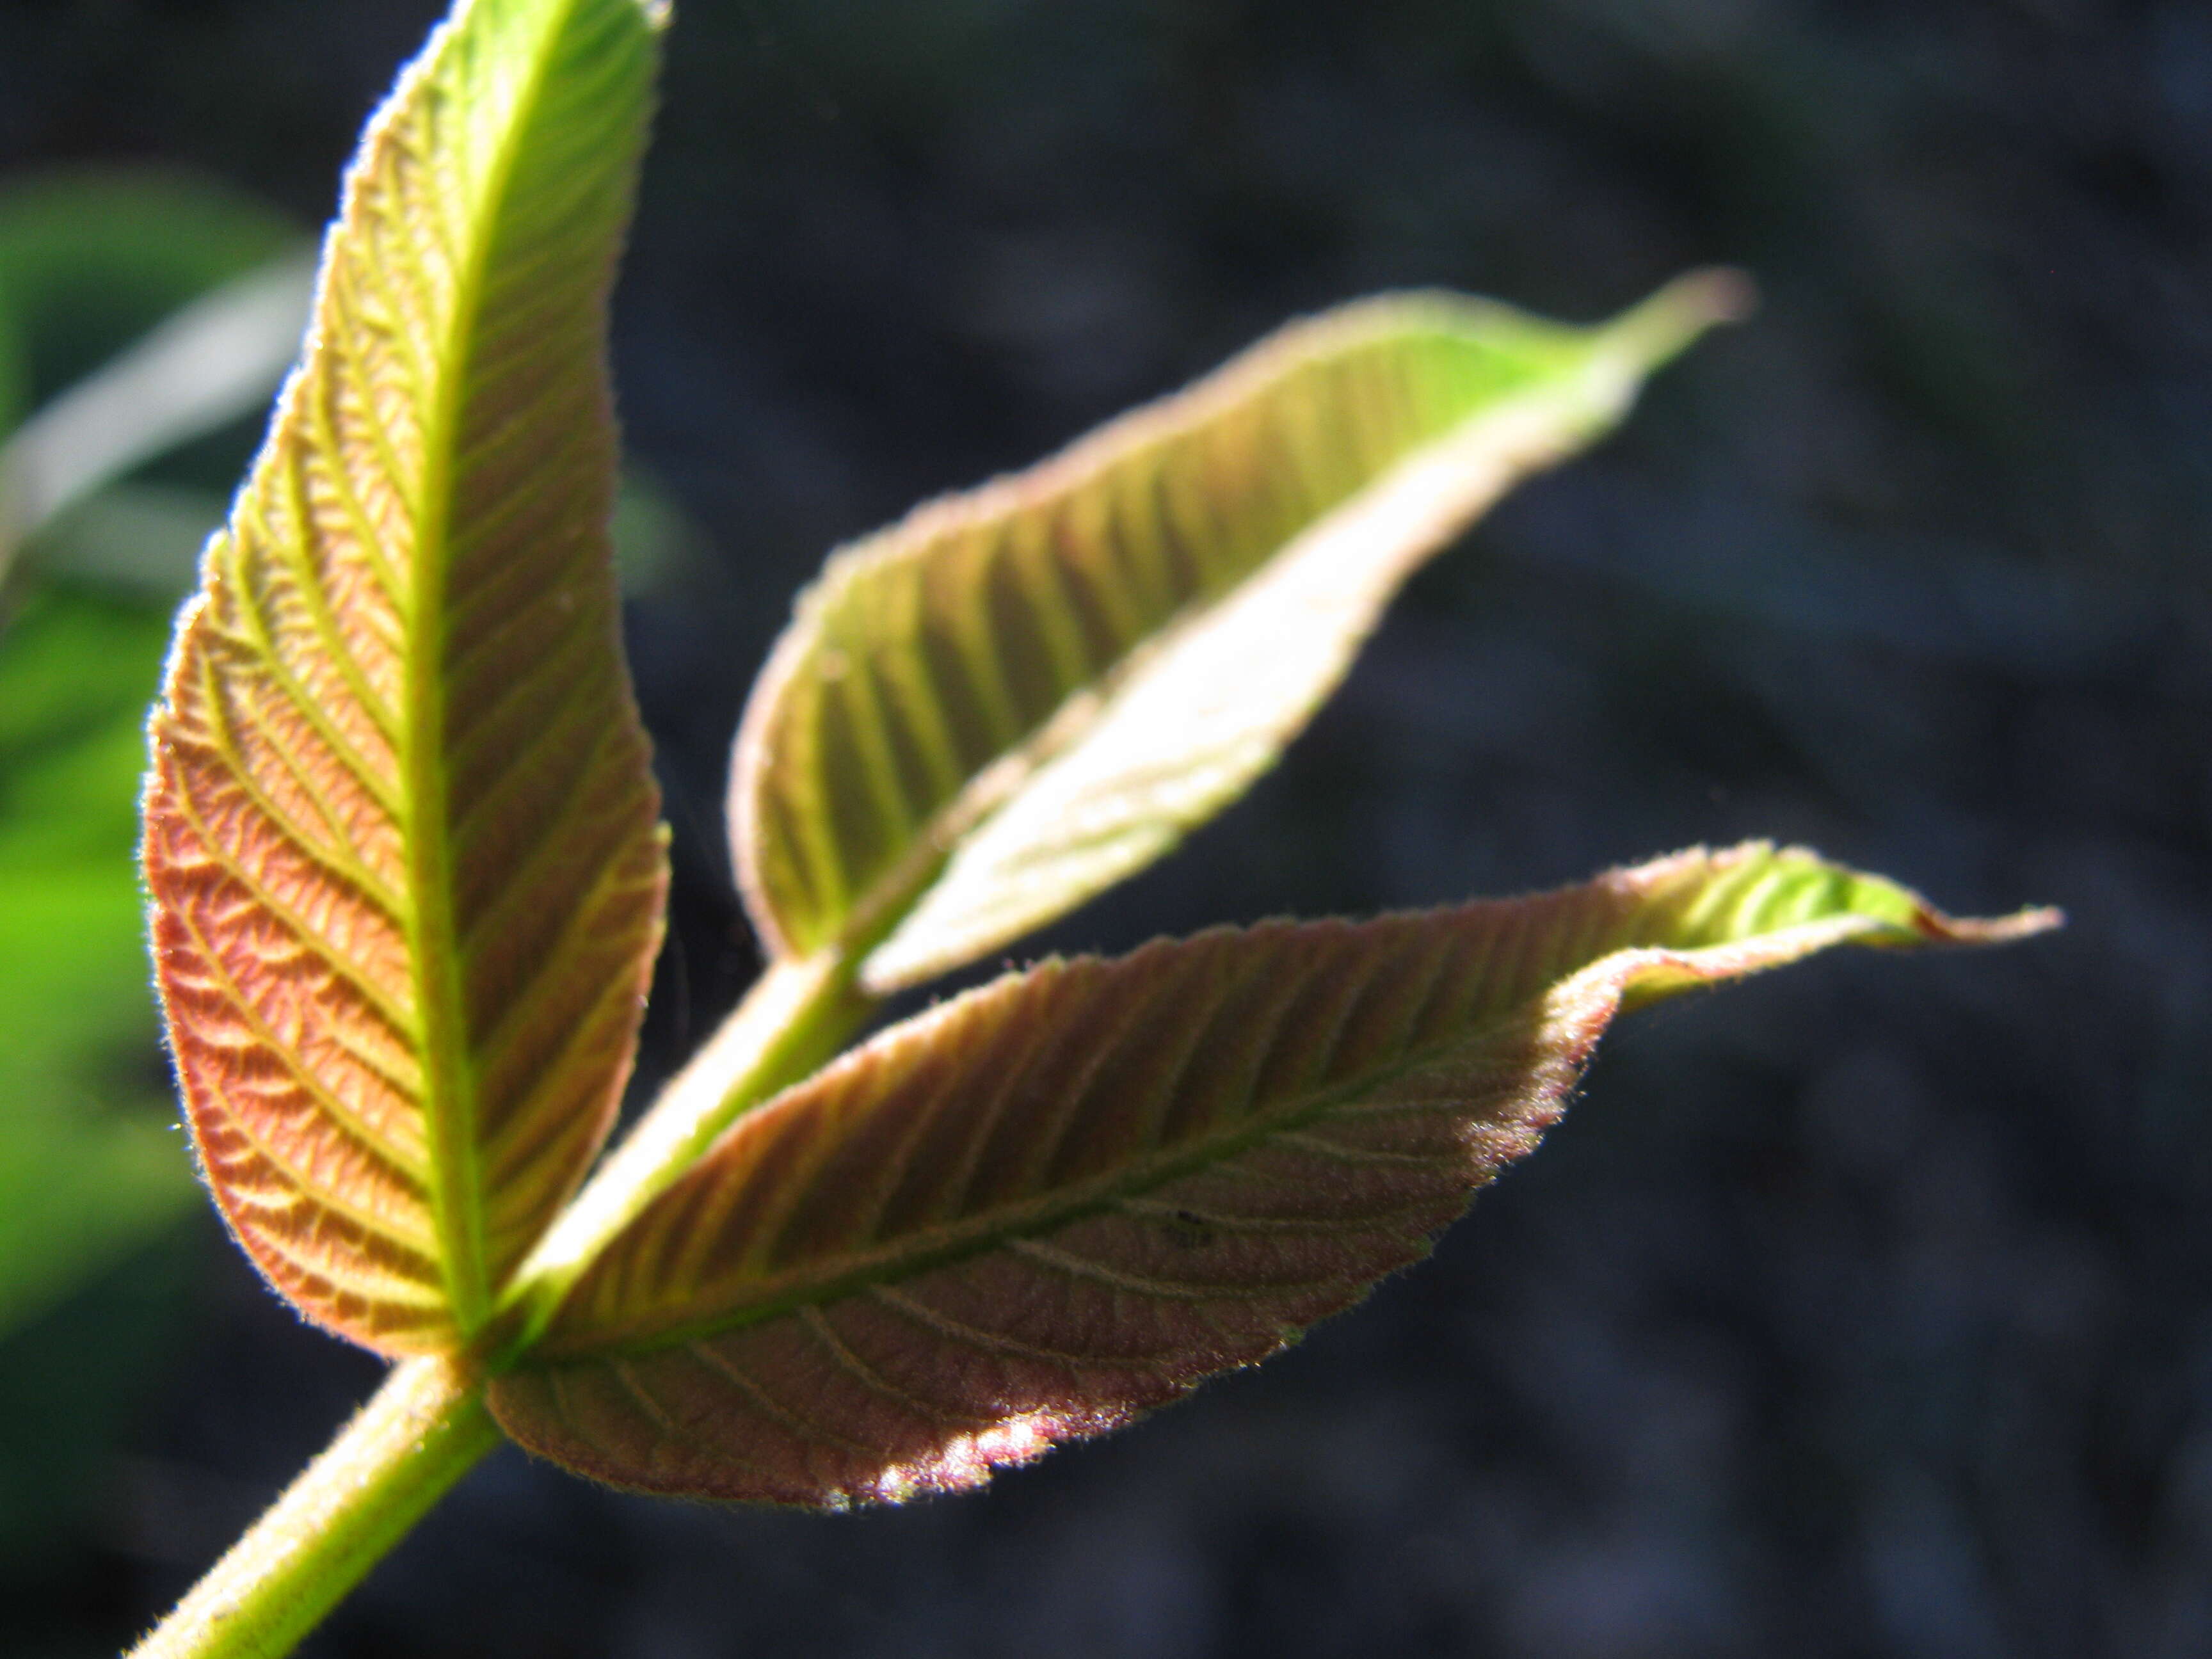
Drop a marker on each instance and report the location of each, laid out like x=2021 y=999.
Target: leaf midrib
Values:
x=450 y=1079
x=917 y=1253
x=948 y=1243
x=878 y=912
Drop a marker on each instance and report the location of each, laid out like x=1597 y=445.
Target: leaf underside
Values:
x=1069 y=1196
x=1051 y=678
x=400 y=830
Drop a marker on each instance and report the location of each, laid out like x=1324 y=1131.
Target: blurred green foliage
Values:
x=92 y=1171
x=90 y=259
x=95 y=1177
x=88 y=1165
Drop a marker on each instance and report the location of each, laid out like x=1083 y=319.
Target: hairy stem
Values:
x=424 y=1429
x=428 y=1424
x=797 y=1015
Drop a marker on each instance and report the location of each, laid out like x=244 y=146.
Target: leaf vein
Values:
x=799 y=1427
x=1076 y=1266
x=868 y=1377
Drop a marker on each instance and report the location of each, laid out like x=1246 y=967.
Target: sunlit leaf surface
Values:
x=1066 y=1197
x=1052 y=678
x=400 y=827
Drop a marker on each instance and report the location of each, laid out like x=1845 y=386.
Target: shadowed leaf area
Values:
x=1068 y=1196
x=1049 y=680
x=400 y=830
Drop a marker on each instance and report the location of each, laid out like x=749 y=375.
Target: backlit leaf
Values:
x=1050 y=679
x=400 y=827
x=1058 y=1200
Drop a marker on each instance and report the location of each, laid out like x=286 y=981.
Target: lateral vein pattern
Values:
x=1068 y=1197
x=400 y=825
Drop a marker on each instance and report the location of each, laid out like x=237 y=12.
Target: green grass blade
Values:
x=91 y=257
x=213 y=361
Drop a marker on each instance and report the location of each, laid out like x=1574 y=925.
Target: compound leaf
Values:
x=1049 y=680
x=1066 y=1197
x=400 y=827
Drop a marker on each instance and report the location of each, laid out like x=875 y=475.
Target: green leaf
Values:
x=90 y=1167
x=1049 y=680
x=1063 y=1198
x=400 y=827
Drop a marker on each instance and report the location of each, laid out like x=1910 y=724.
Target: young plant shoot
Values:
x=401 y=839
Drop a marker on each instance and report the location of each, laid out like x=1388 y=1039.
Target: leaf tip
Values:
x=1936 y=928
x=1671 y=319
x=1725 y=293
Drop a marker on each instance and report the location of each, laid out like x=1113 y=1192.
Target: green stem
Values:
x=423 y=1430
x=428 y=1424
x=798 y=1014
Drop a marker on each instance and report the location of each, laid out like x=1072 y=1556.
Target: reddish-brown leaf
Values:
x=1068 y=1197
x=400 y=827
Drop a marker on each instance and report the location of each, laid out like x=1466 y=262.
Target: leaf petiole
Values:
x=428 y=1425
x=797 y=1015
x=424 y=1429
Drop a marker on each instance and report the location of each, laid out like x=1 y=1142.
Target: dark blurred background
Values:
x=1862 y=1311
